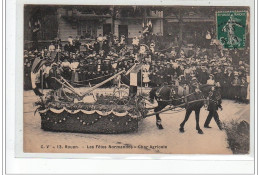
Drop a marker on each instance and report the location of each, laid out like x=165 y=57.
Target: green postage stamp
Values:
x=231 y=29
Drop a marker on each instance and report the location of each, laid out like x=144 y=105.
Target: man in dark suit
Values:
x=203 y=75
x=229 y=76
x=96 y=46
x=214 y=103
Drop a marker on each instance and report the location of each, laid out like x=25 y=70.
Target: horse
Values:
x=167 y=95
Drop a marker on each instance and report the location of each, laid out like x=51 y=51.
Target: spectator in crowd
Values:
x=70 y=40
x=243 y=93
x=74 y=67
x=122 y=40
x=77 y=43
x=58 y=45
x=100 y=40
x=135 y=44
x=52 y=47
x=106 y=47
x=203 y=75
x=146 y=78
x=163 y=64
x=96 y=47
x=236 y=83
x=46 y=73
x=211 y=80
x=208 y=39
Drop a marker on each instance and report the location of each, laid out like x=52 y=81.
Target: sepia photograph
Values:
x=132 y=79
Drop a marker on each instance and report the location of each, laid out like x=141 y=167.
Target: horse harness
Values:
x=173 y=93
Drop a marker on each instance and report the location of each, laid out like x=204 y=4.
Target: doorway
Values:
x=123 y=30
x=106 y=29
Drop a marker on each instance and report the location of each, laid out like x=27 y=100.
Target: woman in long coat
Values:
x=243 y=91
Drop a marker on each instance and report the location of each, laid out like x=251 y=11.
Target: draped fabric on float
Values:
x=102 y=113
x=87 y=123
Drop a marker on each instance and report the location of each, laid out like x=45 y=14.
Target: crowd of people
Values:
x=85 y=64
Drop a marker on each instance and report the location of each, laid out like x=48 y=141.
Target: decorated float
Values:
x=67 y=110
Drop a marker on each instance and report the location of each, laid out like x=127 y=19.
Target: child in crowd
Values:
x=146 y=78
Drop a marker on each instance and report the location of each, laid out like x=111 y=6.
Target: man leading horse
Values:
x=193 y=100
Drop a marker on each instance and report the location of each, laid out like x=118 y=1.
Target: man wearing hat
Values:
x=203 y=75
x=96 y=47
x=105 y=47
x=153 y=76
x=160 y=76
x=236 y=86
x=168 y=72
x=135 y=44
x=82 y=70
x=214 y=103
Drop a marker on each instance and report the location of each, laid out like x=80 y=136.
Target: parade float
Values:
x=71 y=111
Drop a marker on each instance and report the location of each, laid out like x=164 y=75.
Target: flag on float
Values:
x=133 y=74
x=37 y=64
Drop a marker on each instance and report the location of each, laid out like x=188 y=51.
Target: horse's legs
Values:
x=158 y=118
x=187 y=115
x=197 y=114
x=158 y=122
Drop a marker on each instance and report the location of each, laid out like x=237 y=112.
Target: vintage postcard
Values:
x=136 y=79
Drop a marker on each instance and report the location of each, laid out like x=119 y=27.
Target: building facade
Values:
x=175 y=24
x=88 y=24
